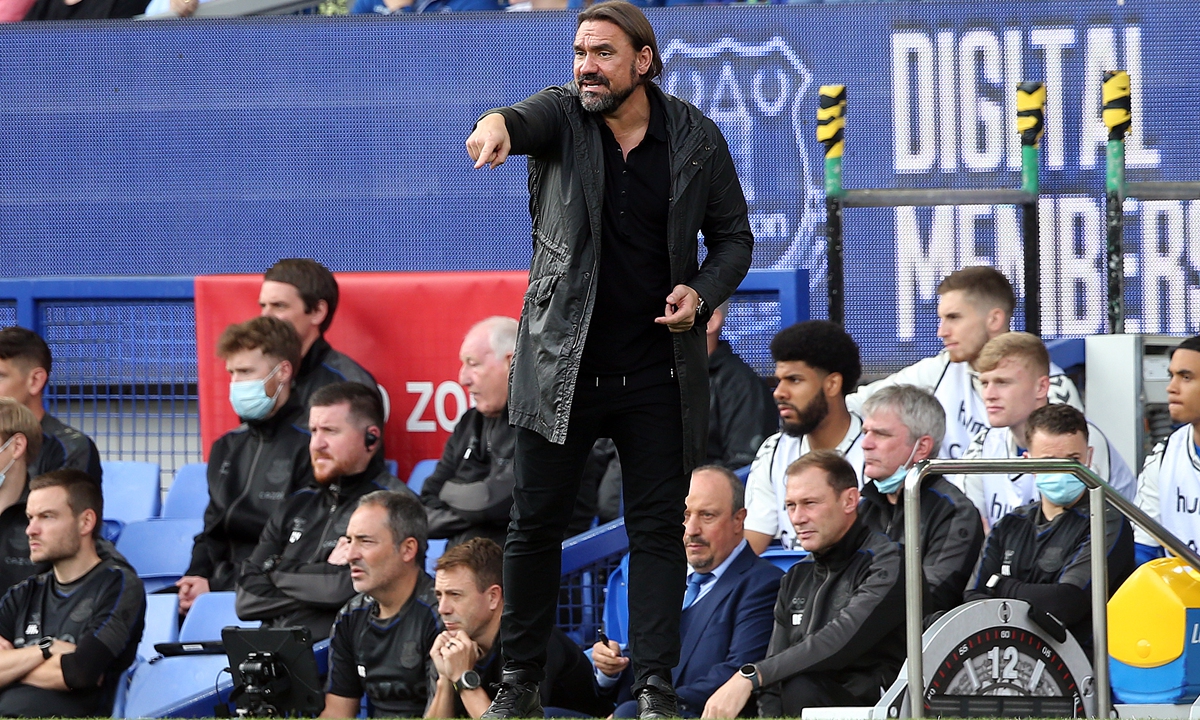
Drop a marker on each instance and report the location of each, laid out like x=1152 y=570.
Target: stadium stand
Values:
x=159 y=549
x=187 y=497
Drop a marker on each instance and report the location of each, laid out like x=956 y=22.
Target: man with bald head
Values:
x=727 y=618
x=469 y=493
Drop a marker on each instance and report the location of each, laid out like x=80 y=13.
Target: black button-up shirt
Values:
x=635 y=264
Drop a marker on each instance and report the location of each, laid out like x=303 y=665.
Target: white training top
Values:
x=956 y=386
x=767 y=484
x=997 y=495
x=1169 y=488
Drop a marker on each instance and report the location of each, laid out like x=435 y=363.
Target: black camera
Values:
x=274 y=672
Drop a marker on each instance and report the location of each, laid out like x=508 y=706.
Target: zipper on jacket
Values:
x=246 y=489
x=328 y=521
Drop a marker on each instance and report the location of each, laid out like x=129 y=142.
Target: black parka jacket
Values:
x=566 y=189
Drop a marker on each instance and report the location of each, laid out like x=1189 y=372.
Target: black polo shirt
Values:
x=387 y=659
x=635 y=262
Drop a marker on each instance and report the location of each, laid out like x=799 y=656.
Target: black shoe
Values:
x=515 y=700
x=656 y=699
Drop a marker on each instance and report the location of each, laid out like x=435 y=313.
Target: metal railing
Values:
x=1098 y=492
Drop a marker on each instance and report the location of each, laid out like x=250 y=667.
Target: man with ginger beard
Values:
x=299 y=573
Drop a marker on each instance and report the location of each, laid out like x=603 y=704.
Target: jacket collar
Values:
x=843 y=550
x=314 y=358
x=348 y=483
x=268 y=426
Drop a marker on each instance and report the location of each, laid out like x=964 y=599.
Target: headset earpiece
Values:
x=370 y=439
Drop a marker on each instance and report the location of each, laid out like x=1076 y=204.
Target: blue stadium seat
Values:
x=160 y=549
x=188 y=495
x=783 y=558
x=420 y=471
x=616 y=603
x=393 y=467
x=433 y=551
x=132 y=490
x=162 y=623
x=167 y=682
x=209 y=614
x=742 y=473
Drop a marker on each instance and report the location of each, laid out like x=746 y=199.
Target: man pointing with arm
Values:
x=611 y=341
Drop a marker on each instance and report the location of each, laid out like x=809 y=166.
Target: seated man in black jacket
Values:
x=741 y=410
x=299 y=572
x=304 y=293
x=67 y=634
x=466 y=656
x=903 y=425
x=24 y=371
x=1041 y=552
x=20 y=440
x=382 y=637
x=839 y=620
x=253 y=468
x=469 y=493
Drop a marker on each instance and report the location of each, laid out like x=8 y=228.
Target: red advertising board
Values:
x=405 y=328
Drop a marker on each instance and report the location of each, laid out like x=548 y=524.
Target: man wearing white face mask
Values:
x=20 y=441
x=254 y=467
x=1041 y=552
x=903 y=425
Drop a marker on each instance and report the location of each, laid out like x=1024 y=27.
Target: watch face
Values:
x=469 y=680
x=1006 y=661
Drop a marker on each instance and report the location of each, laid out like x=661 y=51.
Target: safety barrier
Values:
x=125 y=355
x=1118 y=118
x=124 y=369
x=1031 y=124
x=1099 y=492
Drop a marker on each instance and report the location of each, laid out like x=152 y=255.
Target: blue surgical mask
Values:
x=1062 y=489
x=249 y=397
x=892 y=483
x=4 y=472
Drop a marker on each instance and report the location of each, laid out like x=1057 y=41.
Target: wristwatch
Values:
x=45 y=644
x=701 y=306
x=467 y=681
x=750 y=672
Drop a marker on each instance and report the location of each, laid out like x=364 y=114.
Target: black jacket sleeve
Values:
x=534 y=124
x=257 y=596
x=207 y=548
x=726 y=229
x=117 y=623
x=950 y=553
x=875 y=608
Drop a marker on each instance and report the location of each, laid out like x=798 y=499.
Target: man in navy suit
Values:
x=727 y=608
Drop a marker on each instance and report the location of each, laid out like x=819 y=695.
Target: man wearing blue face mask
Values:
x=254 y=467
x=903 y=425
x=1040 y=552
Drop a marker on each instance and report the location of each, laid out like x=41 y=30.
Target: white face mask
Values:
x=4 y=472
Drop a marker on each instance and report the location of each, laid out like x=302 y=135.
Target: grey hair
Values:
x=919 y=411
x=735 y=485
x=502 y=334
x=405 y=516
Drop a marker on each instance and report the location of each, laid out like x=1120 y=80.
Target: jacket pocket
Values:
x=541 y=289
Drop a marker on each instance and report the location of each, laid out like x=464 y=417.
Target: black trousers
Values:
x=790 y=697
x=645 y=422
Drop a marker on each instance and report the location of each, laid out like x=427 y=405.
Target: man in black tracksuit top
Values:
x=298 y=573
x=25 y=363
x=903 y=425
x=381 y=639
x=304 y=293
x=839 y=619
x=1041 y=552
x=67 y=634
x=741 y=411
x=253 y=468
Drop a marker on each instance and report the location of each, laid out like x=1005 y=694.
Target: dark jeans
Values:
x=790 y=697
x=646 y=425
